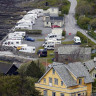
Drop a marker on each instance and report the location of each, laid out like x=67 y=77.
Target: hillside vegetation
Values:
x=86 y=14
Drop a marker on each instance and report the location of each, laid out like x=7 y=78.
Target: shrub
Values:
x=64 y=33
x=92 y=34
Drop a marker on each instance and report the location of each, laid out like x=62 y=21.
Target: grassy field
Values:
x=68 y=42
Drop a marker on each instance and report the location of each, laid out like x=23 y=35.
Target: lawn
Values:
x=68 y=42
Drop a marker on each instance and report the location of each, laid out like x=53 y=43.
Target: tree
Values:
x=16 y=86
x=83 y=22
x=84 y=8
x=34 y=70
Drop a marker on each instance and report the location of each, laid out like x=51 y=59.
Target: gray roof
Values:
x=73 y=50
x=79 y=70
x=4 y=67
x=65 y=75
x=53 y=19
x=90 y=65
x=65 y=70
x=56 y=18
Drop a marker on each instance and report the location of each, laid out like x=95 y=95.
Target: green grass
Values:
x=68 y=42
x=40 y=40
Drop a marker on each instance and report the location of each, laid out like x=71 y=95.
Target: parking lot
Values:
x=39 y=39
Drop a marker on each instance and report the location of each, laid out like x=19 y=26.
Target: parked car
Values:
x=29 y=39
x=42 y=52
x=55 y=26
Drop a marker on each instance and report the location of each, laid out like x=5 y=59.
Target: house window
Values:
x=50 y=80
x=53 y=71
x=79 y=94
x=55 y=81
x=45 y=92
x=53 y=93
x=61 y=83
x=94 y=75
x=80 y=81
x=47 y=22
x=44 y=80
x=62 y=94
x=17 y=42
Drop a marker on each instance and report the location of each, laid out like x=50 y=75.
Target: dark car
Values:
x=42 y=52
x=29 y=39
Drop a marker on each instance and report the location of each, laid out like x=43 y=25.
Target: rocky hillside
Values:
x=10 y=12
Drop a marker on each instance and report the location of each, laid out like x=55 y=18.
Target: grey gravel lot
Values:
x=38 y=26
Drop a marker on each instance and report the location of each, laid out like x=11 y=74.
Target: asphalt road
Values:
x=71 y=24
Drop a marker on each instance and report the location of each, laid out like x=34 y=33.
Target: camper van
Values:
x=77 y=40
x=12 y=43
x=53 y=36
x=22 y=33
x=14 y=36
x=28 y=49
x=51 y=42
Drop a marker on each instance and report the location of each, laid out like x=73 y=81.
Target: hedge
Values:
x=92 y=34
x=30 y=31
x=84 y=39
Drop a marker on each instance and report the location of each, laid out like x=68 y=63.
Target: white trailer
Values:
x=23 y=26
x=50 y=44
x=12 y=43
x=22 y=33
x=14 y=36
x=28 y=49
x=77 y=39
x=53 y=36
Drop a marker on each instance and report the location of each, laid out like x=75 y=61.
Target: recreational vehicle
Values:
x=53 y=36
x=51 y=42
x=28 y=49
x=12 y=43
x=22 y=33
x=77 y=40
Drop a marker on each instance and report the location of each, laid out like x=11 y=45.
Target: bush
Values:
x=92 y=34
x=63 y=33
x=84 y=39
x=83 y=22
x=93 y=23
x=30 y=31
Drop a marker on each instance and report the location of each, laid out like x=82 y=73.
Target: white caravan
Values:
x=12 y=43
x=23 y=26
x=77 y=39
x=51 y=42
x=14 y=36
x=28 y=49
x=53 y=36
x=22 y=33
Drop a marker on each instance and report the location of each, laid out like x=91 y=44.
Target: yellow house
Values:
x=65 y=80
